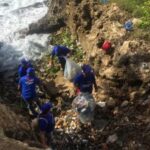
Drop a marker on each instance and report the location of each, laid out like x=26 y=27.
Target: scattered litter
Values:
x=84 y=105
x=112 y=138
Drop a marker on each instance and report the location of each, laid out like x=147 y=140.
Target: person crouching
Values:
x=44 y=124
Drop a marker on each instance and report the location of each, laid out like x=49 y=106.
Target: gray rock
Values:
x=51 y=22
x=112 y=138
x=111 y=103
x=124 y=103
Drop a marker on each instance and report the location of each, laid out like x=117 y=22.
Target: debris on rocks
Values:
x=112 y=138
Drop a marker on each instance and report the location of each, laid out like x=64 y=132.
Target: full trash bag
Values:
x=71 y=69
x=84 y=105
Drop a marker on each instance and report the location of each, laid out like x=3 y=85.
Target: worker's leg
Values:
x=63 y=62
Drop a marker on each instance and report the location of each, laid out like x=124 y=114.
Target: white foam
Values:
x=16 y=15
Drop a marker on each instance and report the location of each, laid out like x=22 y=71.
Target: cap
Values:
x=46 y=107
x=86 y=69
x=24 y=61
x=30 y=72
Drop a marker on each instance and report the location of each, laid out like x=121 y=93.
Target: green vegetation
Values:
x=145 y=8
x=53 y=70
x=64 y=38
x=138 y=8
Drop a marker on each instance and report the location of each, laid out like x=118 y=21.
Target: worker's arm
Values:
x=51 y=62
x=19 y=85
x=43 y=139
x=52 y=55
x=76 y=85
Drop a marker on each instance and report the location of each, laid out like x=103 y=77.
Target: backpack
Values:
x=106 y=46
x=50 y=126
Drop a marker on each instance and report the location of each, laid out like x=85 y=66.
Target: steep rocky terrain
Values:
x=122 y=77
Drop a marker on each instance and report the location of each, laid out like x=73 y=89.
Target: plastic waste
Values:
x=101 y=104
x=128 y=25
x=71 y=69
x=84 y=105
x=104 y=1
x=106 y=46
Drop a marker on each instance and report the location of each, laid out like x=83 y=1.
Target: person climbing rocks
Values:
x=104 y=44
x=44 y=124
x=22 y=70
x=85 y=81
x=60 y=52
x=27 y=85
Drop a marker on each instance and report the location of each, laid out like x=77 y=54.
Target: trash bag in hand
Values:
x=71 y=69
x=84 y=105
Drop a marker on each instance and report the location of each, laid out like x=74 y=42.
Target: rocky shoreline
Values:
x=122 y=77
x=52 y=21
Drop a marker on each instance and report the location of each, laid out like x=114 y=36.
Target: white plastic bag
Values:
x=84 y=105
x=71 y=69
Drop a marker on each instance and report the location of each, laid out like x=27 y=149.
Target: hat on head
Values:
x=86 y=69
x=30 y=72
x=45 y=107
x=24 y=61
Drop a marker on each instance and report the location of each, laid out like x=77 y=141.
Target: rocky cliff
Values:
x=53 y=20
x=122 y=77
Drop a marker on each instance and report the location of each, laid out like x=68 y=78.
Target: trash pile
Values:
x=67 y=122
x=84 y=106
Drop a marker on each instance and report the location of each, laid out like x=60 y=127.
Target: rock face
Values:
x=53 y=20
x=122 y=77
x=123 y=74
x=14 y=126
x=8 y=144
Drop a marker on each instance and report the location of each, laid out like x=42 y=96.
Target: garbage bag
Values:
x=103 y=1
x=84 y=105
x=128 y=25
x=71 y=69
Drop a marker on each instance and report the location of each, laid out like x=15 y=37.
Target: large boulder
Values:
x=52 y=21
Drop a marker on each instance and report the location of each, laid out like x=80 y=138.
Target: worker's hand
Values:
x=68 y=55
x=50 y=65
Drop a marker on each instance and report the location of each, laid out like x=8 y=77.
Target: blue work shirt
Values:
x=85 y=83
x=60 y=52
x=28 y=87
x=46 y=123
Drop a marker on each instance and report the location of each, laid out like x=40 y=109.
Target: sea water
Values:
x=15 y=17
